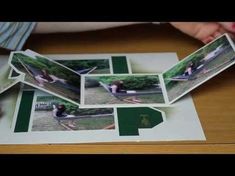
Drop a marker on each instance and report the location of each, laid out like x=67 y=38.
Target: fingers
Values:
x=208 y=39
x=217 y=34
x=213 y=36
x=229 y=26
x=229 y=32
x=222 y=31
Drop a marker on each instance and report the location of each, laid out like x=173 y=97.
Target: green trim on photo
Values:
x=24 y=113
x=119 y=64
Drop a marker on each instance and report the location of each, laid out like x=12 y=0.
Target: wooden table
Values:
x=214 y=100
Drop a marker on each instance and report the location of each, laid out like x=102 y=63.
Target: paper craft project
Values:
x=105 y=98
x=90 y=84
x=41 y=118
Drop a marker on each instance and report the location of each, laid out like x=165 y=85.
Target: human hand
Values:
x=206 y=31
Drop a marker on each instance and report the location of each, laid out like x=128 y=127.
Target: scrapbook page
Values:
x=89 y=98
x=41 y=117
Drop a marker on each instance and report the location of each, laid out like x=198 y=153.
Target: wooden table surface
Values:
x=214 y=100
